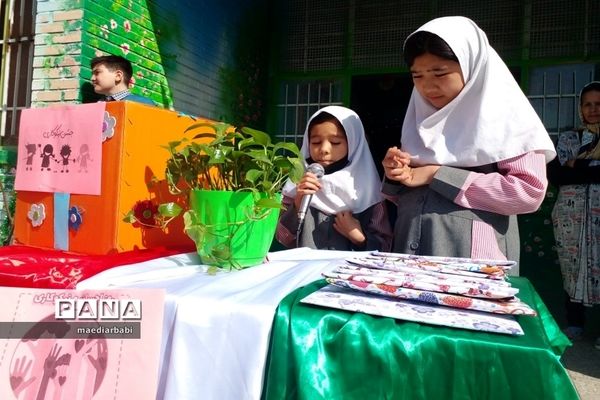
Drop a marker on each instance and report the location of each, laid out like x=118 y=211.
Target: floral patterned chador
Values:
x=576 y=217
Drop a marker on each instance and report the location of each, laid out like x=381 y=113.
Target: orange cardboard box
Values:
x=133 y=169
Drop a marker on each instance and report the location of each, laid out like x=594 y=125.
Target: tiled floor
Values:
x=582 y=361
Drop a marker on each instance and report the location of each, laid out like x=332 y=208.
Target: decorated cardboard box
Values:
x=82 y=168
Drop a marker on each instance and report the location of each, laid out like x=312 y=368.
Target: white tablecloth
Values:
x=216 y=327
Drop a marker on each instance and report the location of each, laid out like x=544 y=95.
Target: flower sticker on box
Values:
x=108 y=126
x=37 y=214
x=75 y=218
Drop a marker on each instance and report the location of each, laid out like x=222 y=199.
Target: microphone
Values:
x=318 y=170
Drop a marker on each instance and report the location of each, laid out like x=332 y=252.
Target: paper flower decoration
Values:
x=75 y=218
x=145 y=212
x=37 y=214
x=108 y=126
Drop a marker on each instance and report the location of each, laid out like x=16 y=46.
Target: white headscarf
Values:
x=489 y=121
x=595 y=127
x=355 y=187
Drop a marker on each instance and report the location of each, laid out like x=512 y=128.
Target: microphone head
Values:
x=316 y=169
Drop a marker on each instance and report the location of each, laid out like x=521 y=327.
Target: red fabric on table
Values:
x=26 y=266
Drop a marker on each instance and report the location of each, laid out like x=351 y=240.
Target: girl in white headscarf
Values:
x=576 y=213
x=473 y=150
x=347 y=211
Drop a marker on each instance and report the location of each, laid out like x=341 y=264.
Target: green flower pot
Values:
x=229 y=231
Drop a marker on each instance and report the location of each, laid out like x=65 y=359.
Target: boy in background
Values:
x=111 y=76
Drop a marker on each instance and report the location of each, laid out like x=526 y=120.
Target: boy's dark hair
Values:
x=324 y=117
x=115 y=63
x=422 y=42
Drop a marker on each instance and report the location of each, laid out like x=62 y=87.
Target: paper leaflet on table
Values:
x=63 y=364
x=490 y=306
x=493 y=269
x=442 y=285
x=350 y=300
x=413 y=279
x=449 y=281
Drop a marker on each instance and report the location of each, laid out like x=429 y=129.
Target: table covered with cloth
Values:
x=323 y=353
x=216 y=330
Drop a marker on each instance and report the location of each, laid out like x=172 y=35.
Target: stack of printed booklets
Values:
x=455 y=292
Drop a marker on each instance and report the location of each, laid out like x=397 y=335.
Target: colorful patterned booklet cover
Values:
x=346 y=299
x=446 y=287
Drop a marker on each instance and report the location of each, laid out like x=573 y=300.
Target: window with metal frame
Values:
x=554 y=91
x=298 y=100
x=17 y=42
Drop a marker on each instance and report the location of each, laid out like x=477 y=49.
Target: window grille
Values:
x=380 y=28
x=16 y=41
x=502 y=21
x=315 y=35
x=554 y=91
x=564 y=28
x=298 y=101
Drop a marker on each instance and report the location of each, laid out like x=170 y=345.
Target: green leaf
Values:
x=259 y=136
x=169 y=209
x=289 y=146
x=245 y=143
x=269 y=203
x=297 y=171
x=173 y=145
x=129 y=218
x=253 y=175
x=221 y=252
x=194 y=230
x=259 y=155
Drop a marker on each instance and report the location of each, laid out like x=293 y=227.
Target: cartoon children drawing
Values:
x=84 y=157
x=65 y=153
x=46 y=155
x=30 y=148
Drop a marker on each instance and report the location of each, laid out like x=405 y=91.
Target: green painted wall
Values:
x=125 y=28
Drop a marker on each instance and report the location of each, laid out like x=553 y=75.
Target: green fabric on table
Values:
x=322 y=353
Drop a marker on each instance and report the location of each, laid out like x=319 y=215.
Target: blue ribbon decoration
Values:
x=61 y=220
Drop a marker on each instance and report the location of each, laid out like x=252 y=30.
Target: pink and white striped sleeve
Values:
x=519 y=186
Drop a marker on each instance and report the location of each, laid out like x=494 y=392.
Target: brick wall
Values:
x=125 y=28
x=57 y=52
x=69 y=33
x=195 y=56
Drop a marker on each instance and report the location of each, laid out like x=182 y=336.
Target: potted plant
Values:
x=232 y=180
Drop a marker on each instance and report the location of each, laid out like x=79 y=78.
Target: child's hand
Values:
x=395 y=163
x=417 y=176
x=309 y=184
x=349 y=227
x=397 y=168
